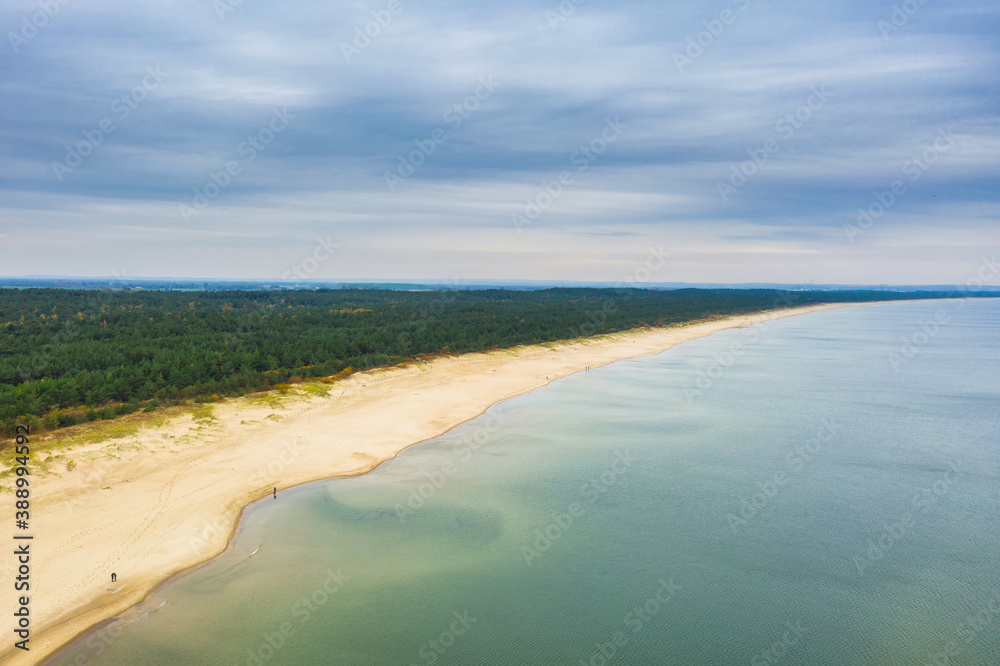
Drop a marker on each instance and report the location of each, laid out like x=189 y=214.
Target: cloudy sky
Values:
x=753 y=140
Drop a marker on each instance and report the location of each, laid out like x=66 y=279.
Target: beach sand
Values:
x=169 y=496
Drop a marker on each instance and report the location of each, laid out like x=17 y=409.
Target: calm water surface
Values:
x=808 y=492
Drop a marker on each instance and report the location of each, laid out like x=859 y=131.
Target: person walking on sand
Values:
x=114 y=577
x=276 y=492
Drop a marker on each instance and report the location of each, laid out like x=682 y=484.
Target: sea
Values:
x=820 y=489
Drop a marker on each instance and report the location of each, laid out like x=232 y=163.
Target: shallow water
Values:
x=812 y=496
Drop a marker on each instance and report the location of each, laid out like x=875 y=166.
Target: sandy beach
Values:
x=169 y=495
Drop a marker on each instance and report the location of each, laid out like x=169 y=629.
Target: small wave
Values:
x=151 y=610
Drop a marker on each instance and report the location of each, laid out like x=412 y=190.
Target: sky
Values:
x=850 y=142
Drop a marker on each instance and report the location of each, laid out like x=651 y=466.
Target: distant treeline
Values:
x=70 y=355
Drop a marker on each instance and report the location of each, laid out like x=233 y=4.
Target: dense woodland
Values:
x=72 y=355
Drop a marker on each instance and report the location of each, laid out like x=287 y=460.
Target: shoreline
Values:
x=109 y=511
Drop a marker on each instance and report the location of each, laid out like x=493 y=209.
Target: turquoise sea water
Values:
x=822 y=490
